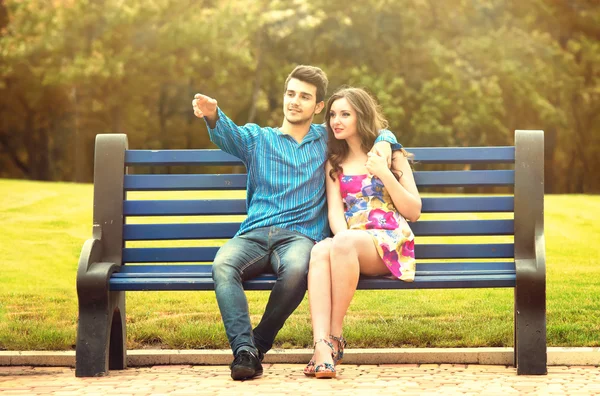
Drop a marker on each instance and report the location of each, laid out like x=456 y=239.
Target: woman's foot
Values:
x=339 y=343
x=322 y=354
x=323 y=359
x=309 y=370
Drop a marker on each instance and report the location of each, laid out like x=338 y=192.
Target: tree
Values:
x=458 y=72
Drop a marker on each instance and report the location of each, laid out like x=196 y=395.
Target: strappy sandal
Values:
x=323 y=370
x=309 y=370
x=339 y=356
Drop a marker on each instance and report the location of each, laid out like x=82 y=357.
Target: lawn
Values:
x=43 y=226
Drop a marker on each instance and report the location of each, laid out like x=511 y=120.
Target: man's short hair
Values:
x=312 y=75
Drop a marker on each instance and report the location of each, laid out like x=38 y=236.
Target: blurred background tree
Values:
x=453 y=72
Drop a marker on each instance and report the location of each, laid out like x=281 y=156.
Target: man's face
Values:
x=300 y=102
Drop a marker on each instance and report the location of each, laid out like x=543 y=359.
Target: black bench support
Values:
x=530 y=260
x=101 y=331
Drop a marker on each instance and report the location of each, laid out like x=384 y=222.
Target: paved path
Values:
x=279 y=379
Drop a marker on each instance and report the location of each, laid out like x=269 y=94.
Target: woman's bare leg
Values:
x=319 y=298
x=352 y=253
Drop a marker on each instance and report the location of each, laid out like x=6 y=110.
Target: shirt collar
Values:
x=314 y=133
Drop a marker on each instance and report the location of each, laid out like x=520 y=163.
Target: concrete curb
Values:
x=486 y=356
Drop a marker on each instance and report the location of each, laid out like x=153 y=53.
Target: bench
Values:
x=109 y=266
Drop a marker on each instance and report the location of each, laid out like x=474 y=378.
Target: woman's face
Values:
x=342 y=119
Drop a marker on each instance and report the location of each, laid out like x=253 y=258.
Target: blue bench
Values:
x=109 y=266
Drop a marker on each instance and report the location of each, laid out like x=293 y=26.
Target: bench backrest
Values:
x=223 y=207
x=476 y=229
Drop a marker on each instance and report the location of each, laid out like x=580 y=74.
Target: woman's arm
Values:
x=404 y=193
x=335 y=205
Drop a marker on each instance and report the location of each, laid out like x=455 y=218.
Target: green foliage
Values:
x=458 y=72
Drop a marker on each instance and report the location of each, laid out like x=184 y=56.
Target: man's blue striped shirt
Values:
x=286 y=179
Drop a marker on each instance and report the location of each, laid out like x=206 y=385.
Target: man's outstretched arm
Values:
x=226 y=134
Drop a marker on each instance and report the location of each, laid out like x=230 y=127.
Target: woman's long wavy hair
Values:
x=369 y=121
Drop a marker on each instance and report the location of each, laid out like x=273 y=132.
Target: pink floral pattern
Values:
x=380 y=219
x=351 y=184
x=408 y=249
x=390 y=258
x=368 y=206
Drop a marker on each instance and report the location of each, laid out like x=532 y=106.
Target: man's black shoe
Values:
x=245 y=366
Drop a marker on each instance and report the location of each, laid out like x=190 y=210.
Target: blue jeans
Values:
x=268 y=249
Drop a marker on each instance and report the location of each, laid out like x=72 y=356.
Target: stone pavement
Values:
x=287 y=379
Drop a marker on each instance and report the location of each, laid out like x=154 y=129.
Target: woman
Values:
x=368 y=206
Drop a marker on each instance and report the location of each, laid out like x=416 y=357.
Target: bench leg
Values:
x=530 y=254
x=530 y=329
x=101 y=337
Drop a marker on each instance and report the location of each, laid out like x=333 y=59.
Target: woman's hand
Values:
x=383 y=149
x=377 y=165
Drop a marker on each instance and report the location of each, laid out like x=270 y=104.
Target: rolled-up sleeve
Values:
x=232 y=138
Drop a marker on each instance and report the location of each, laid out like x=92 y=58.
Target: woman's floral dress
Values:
x=369 y=207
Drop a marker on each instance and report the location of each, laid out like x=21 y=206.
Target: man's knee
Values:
x=294 y=270
x=293 y=259
x=224 y=269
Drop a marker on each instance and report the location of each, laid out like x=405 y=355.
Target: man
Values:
x=286 y=212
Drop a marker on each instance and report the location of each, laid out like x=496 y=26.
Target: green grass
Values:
x=43 y=226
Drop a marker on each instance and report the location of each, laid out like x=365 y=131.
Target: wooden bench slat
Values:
x=465 y=251
x=166 y=232
x=467 y=266
x=174 y=207
x=238 y=181
x=204 y=157
x=464 y=155
x=438 y=281
x=468 y=204
x=137 y=269
x=194 y=275
x=162 y=232
x=462 y=227
x=185 y=182
x=205 y=271
x=438 y=155
x=426 y=251
x=477 y=178
x=441 y=282
x=169 y=254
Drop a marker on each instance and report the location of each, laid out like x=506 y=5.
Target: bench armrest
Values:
x=93 y=272
x=530 y=256
x=102 y=254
